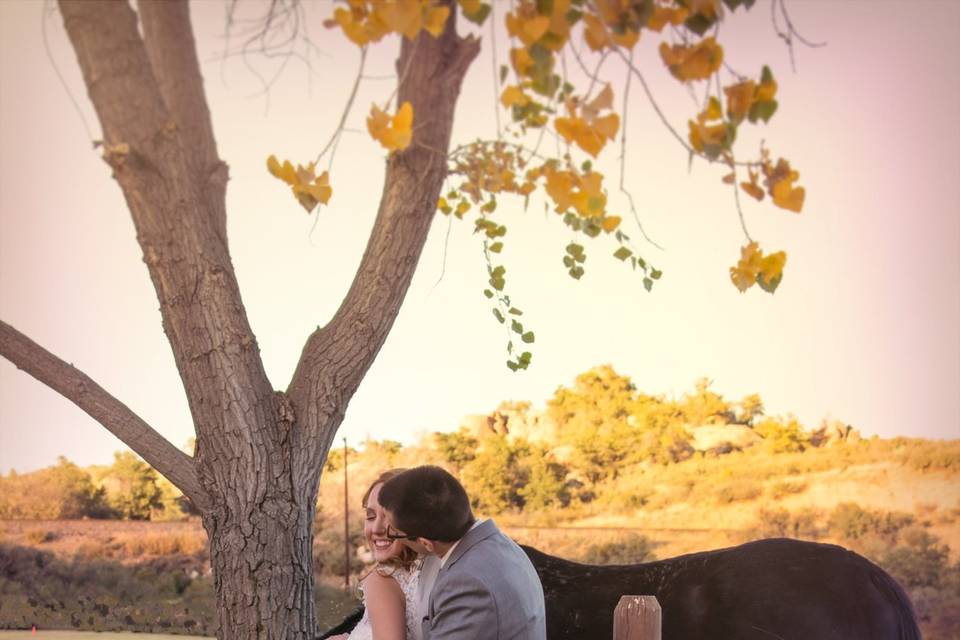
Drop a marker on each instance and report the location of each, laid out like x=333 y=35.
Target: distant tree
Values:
x=546 y=484
x=704 y=406
x=751 y=407
x=61 y=492
x=457 y=448
x=132 y=487
x=783 y=437
x=493 y=477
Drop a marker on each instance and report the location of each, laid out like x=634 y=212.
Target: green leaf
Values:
x=515 y=311
x=525 y=357
x=576 y=272
x=655 y=274
x=527 y=337
x=496 y=247
x=586 y=166
x=699 y=23
x=504 y=70
x=766 y=75
x=498 y=316
x=567 y=261
x=771 y=286
x=516 y=327
x=512 y=365
x=488 y=293
x=762 y=111
x=647 y=284
x=479 y=17
x=622 y=253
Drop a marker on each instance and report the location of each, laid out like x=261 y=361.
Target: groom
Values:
x=486 y=588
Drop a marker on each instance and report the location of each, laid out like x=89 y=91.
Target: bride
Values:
x=390 y=593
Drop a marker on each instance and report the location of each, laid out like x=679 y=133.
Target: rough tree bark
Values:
x=259 y=451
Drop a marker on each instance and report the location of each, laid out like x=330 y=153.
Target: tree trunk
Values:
x=262 y=567
x=259 y=452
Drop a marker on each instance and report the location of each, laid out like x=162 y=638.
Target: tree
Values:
x=260 y=451
x=63 y=491
x=132 y=487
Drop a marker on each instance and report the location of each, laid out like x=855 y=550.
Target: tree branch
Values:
x=77 y=387
x=336 y=357
x=168 y=39
x=179 y=228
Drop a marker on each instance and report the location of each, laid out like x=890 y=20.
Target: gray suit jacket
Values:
x=487 y=590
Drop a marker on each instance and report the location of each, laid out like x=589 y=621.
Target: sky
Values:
x=865 y=327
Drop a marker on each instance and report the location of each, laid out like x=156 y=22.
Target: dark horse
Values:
x=764 y=590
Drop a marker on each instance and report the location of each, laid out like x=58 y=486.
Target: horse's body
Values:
x=765 y=590
x=762 y=590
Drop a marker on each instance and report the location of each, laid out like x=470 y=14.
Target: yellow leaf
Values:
x=521 y=61
x=394 y=133
x=436 y=19
x=712 y=112
x=607 y=126
x=529 y=28
x=595 y=33
x=696 y=62
x=471 y=6
x=610 y=223
x=401 y=16
x=771 y=267
x=766 y=91
x=752 y=189
x=559 y=187
x=709 y=139
x=786 y=196
x=351 y=26
x=604 y=100
x=628 y=39
x=308 y=188
x=744 y=274
x=780 y=179
x=740 y=99
x=514 y=95
x=590 y=201
x=663 y=15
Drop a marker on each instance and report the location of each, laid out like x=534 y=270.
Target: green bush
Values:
x=851 y=522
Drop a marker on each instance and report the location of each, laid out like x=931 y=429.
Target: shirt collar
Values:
x=446 y=556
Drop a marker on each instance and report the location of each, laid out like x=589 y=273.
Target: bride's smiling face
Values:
x=375 y=529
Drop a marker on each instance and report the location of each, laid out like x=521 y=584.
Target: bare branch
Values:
x=77 y=387
x=168 y=39
x=336 y=357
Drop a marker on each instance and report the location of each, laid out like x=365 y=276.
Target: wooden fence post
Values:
x=637 y=618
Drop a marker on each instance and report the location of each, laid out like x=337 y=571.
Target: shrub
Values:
x=919 y=562
x=851 y=522
x=164 y=544
x=40 y=536
x=736 y=491
x=780 y=523
x=633 y=549
x=786 y=487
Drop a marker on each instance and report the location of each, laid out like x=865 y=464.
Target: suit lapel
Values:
x=480 y=532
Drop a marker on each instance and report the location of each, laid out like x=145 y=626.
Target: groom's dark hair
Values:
x=428 y=502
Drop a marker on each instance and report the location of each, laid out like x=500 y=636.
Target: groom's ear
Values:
x=429 y=545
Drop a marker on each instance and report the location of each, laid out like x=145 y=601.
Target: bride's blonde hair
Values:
x=407 y=557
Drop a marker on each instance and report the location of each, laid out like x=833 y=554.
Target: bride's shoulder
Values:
x=379 y=583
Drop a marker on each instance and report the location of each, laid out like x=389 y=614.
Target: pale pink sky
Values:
x=865 y=327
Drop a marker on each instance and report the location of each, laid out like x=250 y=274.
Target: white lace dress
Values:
x=408 y=581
